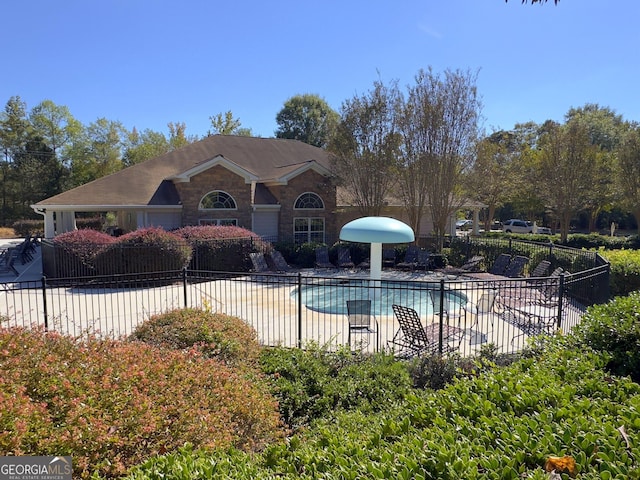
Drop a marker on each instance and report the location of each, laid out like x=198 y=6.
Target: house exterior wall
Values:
x=216 y=178
x=309 y=181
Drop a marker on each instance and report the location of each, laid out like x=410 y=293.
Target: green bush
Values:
x=625 y=271
x=502 y=424
x=25 y=228
x=313 y=383
x=614 y=329
x=111 y=405
x=216 y=335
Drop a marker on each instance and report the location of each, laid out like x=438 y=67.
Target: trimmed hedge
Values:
x=222 y=248
x=614 y=330
x=216 y=335
x=625 y=270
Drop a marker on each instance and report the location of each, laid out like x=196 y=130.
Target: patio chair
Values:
x=541 y=270
x=486 y=306
x=362 y=320
x=470 y=266
x=497 y=270
x=531 y=322
x=259 y=262
x=279 y=262
x=410 y=258
x=7 y=260
x=424 y=260
x=322 y=258
x=344 y=258
x=515 y=268
x=388 y=257
x=414 y=339
x=410 y=261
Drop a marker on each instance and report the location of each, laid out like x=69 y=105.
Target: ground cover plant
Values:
x=503 y=423
x=113 y=404
x=312 y=383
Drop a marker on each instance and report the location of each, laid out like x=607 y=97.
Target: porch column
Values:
x=49 y=225
x=476 y=221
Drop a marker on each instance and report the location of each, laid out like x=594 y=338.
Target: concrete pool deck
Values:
x=267 y=305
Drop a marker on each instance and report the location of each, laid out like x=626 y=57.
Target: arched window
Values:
x=217 y=200
x=307 y=201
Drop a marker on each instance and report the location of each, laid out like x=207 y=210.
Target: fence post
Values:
x=560 y=299
x=44 y=303
x=441 y=315
x=299 y=310
x=184 y=285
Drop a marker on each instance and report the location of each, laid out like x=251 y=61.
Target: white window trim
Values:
x=306 y=209
x=200 y=209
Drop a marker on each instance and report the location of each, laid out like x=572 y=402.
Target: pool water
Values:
x=331 y=297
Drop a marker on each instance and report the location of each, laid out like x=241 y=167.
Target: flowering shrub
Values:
x=144 y=250
x=111 y=405
x=216 y=335
x=222 y=248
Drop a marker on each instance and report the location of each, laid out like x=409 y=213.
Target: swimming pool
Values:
x=331 y=297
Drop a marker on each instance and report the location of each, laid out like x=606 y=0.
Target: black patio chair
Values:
x=322 y=258
x=388 y=257
x=410 y=261
x=413 y=339
x=280 y=263
x=259 y=262
x=515 y=268
x=344 y=258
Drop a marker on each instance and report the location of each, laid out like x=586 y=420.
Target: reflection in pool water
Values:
x=332 y=296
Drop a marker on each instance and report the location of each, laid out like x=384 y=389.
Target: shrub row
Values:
x=503 y=424
x=89 y=252
x=112 y=404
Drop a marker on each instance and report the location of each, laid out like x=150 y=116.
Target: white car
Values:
x=517 y=226
x=464 y=224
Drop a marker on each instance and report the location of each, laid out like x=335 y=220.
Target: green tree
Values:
x=97 y=152
x=491 y=179
x=227 y=125
x=55 y=124
x=567 y=165
x=178 y=137
x=37 y=173
x=439 y=127
x=365 y=147
x=143 y=146
x=15 y=130
x=604 y=128
x=629 y=170
x=307 y=118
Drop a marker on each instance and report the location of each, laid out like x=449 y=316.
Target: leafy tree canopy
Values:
x=307 y=118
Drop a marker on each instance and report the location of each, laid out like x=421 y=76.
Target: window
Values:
x=308 y=230
x=217 y=200
x=219 y=221
x=308 y=200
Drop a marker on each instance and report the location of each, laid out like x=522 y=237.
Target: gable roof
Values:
x=268 y=160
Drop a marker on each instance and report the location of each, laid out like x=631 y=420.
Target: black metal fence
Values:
x=462 y=313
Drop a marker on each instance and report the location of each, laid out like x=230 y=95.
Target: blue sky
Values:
x=150 y=62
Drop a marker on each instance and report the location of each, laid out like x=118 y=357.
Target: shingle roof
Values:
x=269 y=159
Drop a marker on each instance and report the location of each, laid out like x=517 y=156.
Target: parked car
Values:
x=464 y=224
x=516 y=225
